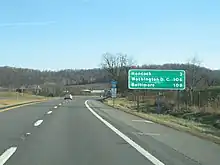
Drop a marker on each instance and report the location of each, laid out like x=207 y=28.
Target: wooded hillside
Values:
x=16 y=77
x=113 y=67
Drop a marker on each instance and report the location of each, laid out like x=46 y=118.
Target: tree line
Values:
x=197 y=77
x=202 y=84
x=114 y=66
x=11 y=77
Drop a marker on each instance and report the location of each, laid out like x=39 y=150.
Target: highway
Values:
x=86 y=132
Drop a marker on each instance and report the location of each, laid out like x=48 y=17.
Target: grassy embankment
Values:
x=13 y=98
x=204 y=125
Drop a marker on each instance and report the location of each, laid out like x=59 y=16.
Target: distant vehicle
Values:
x=68 y=97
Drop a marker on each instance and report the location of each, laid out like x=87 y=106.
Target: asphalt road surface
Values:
x=86 y=132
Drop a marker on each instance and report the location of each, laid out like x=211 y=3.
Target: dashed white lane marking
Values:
x=145 y=121
x=7 y=154
x=28 y=134
x=37 y=123
x=60 y=104
x=49 y=112
x=141 y=150
x=55 y=107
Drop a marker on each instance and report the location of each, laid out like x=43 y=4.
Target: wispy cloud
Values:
x=26 y=24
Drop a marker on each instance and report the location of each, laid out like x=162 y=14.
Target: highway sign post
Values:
x=156 y=79
x=114 y=91
x=114 y=83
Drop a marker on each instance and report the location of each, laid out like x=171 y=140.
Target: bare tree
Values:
x=194 y=78
x=117 y=67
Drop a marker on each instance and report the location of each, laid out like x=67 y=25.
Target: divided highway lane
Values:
x=87 y=132
x=72 y=135
x=16 y=123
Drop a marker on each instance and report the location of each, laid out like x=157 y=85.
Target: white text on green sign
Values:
x=156 y=79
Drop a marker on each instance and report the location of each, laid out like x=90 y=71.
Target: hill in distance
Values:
x=11 y=77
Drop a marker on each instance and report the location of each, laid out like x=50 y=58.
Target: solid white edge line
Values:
x=7 y=154
x=141 y=150
x=49 y=112
x=37 y=123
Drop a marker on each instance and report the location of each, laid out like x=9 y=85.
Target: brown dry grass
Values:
x=11 y=98
x=202 y=130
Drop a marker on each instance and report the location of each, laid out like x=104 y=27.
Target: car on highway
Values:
x=68 y=97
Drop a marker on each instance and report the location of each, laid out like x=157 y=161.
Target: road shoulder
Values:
x=170 y=121
x=191 y=146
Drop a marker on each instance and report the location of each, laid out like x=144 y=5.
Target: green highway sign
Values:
x=156 y=79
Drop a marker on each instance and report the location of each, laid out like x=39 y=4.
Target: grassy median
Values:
x=13 y=98
x=207 y=131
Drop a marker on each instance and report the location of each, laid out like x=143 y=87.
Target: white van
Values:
x=68 y=97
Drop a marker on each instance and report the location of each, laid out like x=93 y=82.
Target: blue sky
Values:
x=58 y=34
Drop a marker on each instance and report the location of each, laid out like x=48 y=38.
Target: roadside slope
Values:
x=197 y=149
x=197 y=129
